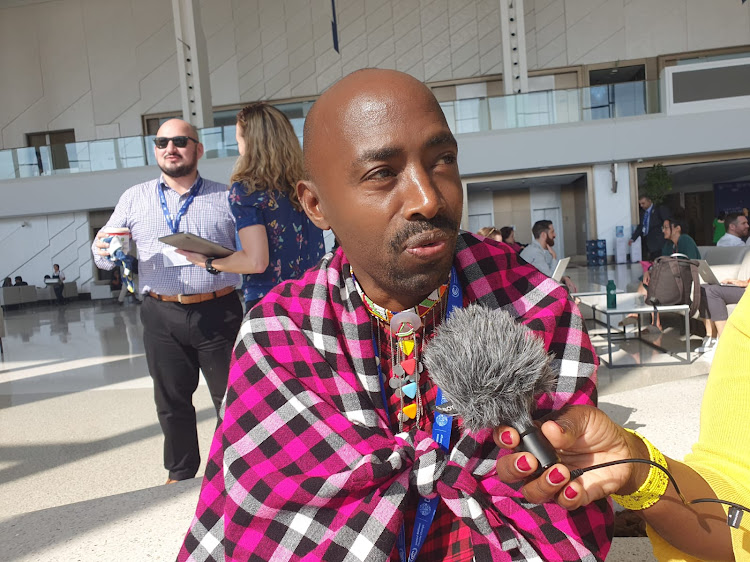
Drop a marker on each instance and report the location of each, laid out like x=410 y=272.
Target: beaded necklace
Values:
x=404 y=330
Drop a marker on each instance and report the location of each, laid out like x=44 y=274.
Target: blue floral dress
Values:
x=295 y=244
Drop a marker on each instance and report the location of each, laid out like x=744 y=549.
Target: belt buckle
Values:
x=179 y=298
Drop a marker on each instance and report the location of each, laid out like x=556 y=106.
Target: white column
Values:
x=192 y=64
x=513 y=41
x=612 y=200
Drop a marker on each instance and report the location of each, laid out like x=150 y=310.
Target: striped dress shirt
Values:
x=208 y=216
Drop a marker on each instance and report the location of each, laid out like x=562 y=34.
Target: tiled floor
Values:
x=80 y=446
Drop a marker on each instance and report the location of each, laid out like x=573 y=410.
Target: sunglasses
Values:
x=179 y=142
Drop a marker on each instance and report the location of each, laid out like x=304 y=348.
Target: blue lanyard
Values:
x=441 y=434
x=175 y=226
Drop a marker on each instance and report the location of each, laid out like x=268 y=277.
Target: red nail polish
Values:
x=506 y=438
x=555 y=476
x=522 y=464
x=570 y=493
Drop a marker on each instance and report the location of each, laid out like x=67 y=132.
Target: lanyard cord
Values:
x=174 y=226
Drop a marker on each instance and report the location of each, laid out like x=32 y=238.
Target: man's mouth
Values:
x=427 y=244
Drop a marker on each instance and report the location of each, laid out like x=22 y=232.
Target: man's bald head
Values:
x=351 y=98
x=382 y=173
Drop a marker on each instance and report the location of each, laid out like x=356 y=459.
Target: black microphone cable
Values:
x=734 y=515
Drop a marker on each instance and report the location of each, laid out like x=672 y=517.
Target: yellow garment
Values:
x=722 y=454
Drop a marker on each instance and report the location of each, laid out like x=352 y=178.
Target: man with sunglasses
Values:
x=193 y=314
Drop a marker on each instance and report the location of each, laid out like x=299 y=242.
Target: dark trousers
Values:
x=59 y=288
x=180 y=339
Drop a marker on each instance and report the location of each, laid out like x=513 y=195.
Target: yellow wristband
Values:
x=655 y=485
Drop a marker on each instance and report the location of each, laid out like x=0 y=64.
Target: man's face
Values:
x=387 y=184
x=173 y=161
x=550 y=234
x=741 y=227
x=644 y=203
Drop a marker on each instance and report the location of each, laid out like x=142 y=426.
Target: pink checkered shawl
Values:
x=305 y=466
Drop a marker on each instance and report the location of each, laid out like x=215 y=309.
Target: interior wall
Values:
x=581 y=207
x=30 y=245
x=98 y=65
x=512 y=208
x=570 y=219
x=571 y=32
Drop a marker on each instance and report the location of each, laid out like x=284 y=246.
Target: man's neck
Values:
x=542 y=243
x=384 y=300
x=182 y=184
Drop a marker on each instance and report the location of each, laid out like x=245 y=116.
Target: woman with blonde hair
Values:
x=490 y=232
x=278 y=241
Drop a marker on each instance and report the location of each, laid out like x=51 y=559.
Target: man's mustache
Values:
x=439 y=222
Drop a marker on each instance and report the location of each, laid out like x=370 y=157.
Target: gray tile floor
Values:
x=80 y=446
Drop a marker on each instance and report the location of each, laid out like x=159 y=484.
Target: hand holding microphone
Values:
x=584 y=436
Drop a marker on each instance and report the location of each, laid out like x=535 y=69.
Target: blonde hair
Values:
x=488 y=231
x=273 y=157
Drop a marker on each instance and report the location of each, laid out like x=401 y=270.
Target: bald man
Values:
x=327 y=449
x=190 y=316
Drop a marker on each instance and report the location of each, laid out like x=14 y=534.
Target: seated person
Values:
x=713 y=309
x=490 y=232
x=20 y=282
x=322 y=454
x=676 y=241
x=736 y=230
x=541 y=253
x=718 y=467
x=509 y=237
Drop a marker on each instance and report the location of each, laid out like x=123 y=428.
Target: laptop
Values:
x=704 y=270
x=560 y=269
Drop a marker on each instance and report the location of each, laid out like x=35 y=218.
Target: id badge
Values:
x=172 y=258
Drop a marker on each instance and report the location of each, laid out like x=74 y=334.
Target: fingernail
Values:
x=570 y=493
x=522 y=464
x=506 y=438
x=555 y=476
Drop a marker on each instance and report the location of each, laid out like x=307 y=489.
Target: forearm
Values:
x=700 y=530
x=241 y=262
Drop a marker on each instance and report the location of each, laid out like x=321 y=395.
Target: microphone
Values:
x=490 y=368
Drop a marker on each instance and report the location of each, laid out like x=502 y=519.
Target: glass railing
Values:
x=552 y=107
x=534 y=109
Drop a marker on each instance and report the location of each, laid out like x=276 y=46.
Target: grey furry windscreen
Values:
x=489 y=367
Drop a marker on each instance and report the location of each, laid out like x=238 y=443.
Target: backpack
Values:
x=671 y=281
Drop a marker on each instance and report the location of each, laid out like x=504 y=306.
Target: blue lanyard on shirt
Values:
x=175 y=226
x=441 y=434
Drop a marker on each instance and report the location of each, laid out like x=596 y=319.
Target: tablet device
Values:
x=194 y=243
x=560 y=269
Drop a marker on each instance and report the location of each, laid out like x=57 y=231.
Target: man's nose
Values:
x=423 y=197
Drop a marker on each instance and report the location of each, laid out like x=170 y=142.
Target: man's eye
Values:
x=447 y=159
x=381 y=173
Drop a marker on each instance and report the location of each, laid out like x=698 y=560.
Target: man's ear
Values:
x=307 y=193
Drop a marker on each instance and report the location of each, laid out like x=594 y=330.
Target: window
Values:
x=49 y=147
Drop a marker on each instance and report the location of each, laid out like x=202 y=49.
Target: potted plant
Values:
x=657 y=184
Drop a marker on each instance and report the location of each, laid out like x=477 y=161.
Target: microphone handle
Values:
x=533 y=441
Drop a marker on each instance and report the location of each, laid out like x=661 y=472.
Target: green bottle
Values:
x=611 y=294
